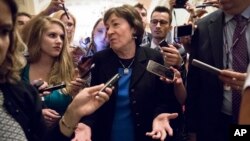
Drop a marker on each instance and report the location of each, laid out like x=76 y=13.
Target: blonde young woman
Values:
x=50 y=61
x=70 y=24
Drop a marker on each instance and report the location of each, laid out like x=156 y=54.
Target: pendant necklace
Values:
x=126 y=69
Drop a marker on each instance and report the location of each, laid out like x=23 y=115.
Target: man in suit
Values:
x=209 y=102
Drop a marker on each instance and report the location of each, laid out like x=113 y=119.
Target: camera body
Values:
x=180 y=3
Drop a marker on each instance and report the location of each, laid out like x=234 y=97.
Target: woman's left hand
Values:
x=161 y=126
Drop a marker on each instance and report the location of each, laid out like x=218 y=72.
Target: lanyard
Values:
x=229 y=49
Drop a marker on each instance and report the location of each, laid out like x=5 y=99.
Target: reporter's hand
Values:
x=171 y=55
x=233 y=79
x=50 y=116
x=177 y=77
x=54 y=6
x=90 y=99
x=215 y=3
x=43 y=86
x=82 y=133
x=76 y=85
x=172 y=4
x=161 y=127
x=85 y=103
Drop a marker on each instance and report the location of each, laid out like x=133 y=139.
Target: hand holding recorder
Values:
x=205 y=66
x=111 y=81
x=160 y=70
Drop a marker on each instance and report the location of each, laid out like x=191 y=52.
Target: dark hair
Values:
x=92 y=45
x=14 y=60
x=13 y=8
x=24 y=14
x=93 y=30
x=163 y=9
x=140 y=6
x=130 y=14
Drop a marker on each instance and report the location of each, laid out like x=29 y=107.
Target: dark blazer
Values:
x=149 y=96
x=205 y=90
x=23 y=104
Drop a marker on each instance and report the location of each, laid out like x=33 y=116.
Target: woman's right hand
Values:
x=90 y=99
x=50 y=116
x=39 y=84
x=86 y=102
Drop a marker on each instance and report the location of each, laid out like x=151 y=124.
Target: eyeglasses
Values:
x=155 y=22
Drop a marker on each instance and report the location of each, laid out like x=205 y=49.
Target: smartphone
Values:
x=54 y=87
x=84 y=74
x=183 y=30
x=111 y=81
x=85 y=65
x=160 y=70
x=205 y=66
x=163 y=43
x=180 y=3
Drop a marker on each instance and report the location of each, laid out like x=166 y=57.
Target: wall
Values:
x=88 y=11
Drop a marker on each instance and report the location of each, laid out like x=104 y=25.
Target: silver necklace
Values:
x=126 y=69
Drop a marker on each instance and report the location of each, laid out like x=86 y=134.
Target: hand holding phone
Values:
x=54 y=87
x=85 y=65
x=65 y=10
x=160 y=70
x=111 y=81
x=205 y=66
x=38 y=84
x=83 y=75
x=163 y=43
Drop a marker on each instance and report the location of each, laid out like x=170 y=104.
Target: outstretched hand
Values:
x=90 y=99
x=82 y=133
x=161 y=126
